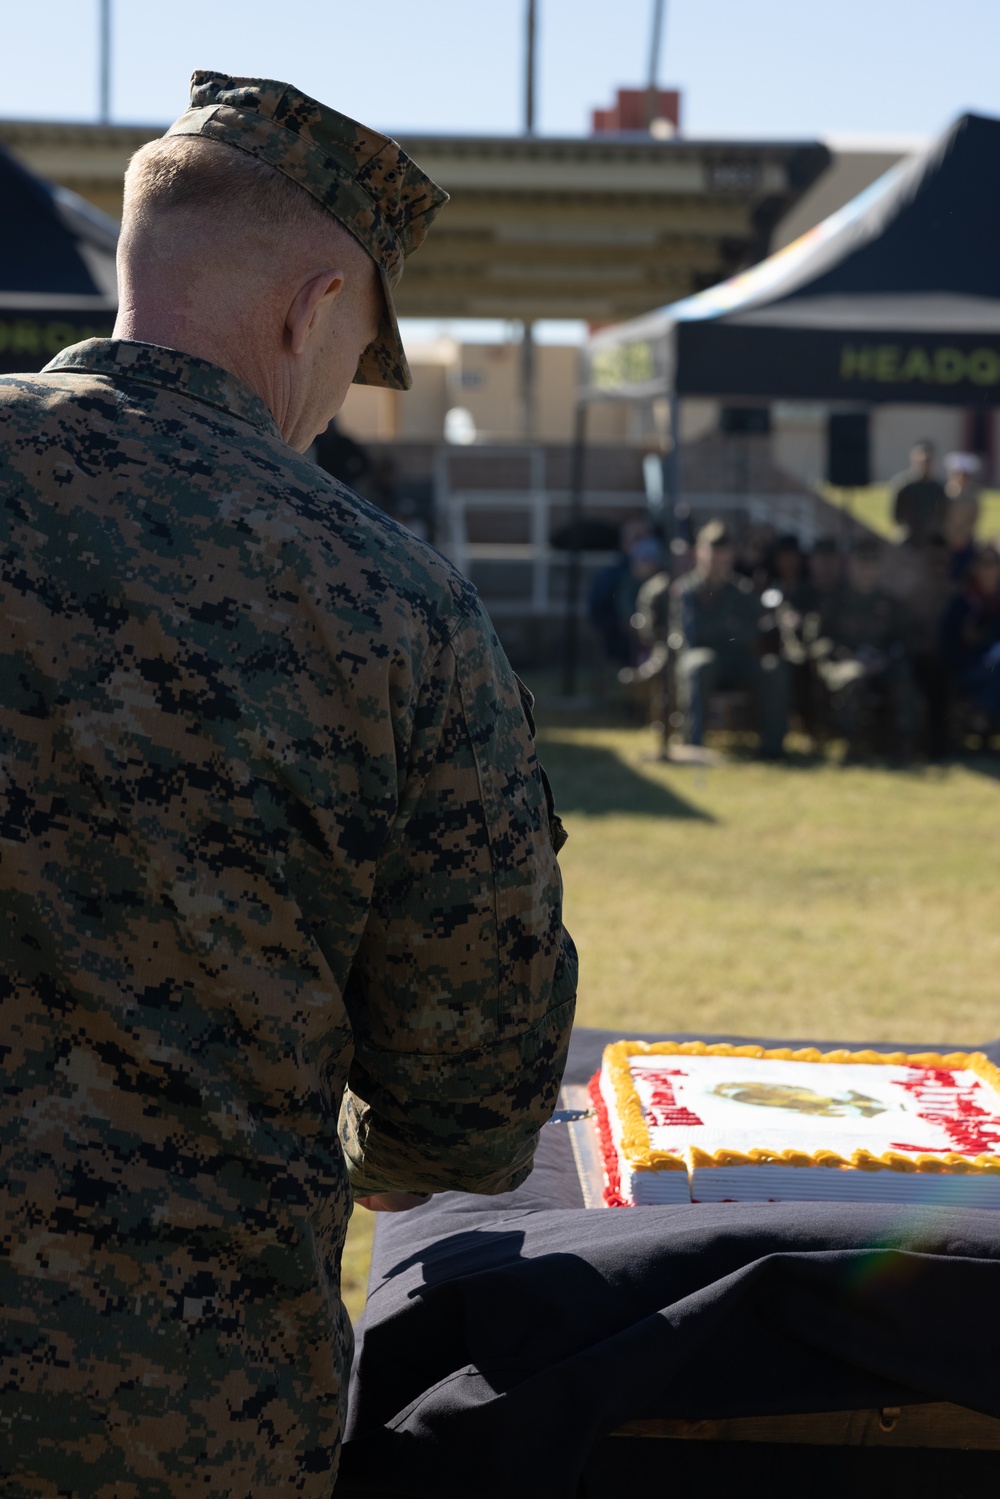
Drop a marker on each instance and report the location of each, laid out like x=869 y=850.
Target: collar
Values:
x=121 y=358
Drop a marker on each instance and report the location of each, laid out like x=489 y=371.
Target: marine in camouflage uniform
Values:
x=862 y=658
x=716 y=621
x=278 y=881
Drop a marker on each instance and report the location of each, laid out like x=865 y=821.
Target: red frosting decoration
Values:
x=664 y=1109
x=971 y=1129
x=612 y=1193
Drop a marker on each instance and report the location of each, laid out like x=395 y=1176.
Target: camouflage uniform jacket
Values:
x=272 y=836
x=853 y=621
x=722 y=617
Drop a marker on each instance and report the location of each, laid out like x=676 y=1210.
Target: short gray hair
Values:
x=182 y=175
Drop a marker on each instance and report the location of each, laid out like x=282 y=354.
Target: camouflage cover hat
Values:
x=362 y=178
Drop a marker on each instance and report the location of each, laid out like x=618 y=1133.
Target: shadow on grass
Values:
x=984 y=764
x=587 y=778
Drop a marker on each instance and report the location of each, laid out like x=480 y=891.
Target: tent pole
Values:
x=574 y=578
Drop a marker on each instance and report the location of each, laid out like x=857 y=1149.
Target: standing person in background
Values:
x=282 y=912
x=919 y=503
x=971 y=636
x=925 y=609
x=964 y=506
x=716 y=618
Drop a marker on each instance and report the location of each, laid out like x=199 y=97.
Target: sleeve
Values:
x=462 y=994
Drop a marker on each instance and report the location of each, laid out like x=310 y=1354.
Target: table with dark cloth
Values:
x=506 y=1338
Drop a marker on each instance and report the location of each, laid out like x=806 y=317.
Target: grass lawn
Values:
x=770 y=901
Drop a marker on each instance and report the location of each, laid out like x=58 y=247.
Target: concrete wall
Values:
x=799 y=437
x=485 y=379
x=895 y=429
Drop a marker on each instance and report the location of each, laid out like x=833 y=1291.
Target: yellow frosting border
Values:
x=637 y=1148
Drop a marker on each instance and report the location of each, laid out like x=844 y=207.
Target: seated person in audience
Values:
x=825 y=573
x=645 y=565
x=971 y=636
x=788 y=571
x=861 y=656
x=752 y=559
x=962 y=515
x=800 y=631
x=919 y=502
x=715 y=623
x=611 y=599
x=787 y=597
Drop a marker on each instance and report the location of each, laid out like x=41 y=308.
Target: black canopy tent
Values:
x=895 y=297
x=57 y=269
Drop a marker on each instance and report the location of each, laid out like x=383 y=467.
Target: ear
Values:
x=301 y=317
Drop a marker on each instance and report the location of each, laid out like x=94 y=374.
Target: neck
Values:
x=235 y=345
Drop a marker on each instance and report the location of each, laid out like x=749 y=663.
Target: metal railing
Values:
x=538 y=503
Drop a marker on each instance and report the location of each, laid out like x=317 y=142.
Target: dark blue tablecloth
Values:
x=506 y=1337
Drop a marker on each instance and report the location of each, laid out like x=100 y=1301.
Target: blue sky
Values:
x=771 y=68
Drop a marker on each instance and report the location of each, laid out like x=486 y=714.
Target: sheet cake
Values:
x=693 y=1122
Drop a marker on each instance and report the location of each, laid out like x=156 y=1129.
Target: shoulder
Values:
x=351 y=534
x=239 y=486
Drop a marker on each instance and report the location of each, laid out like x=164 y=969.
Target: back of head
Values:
x=922 y=458
x=265 y=233
x=198 y=211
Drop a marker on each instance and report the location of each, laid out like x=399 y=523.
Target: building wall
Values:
x=485 y=379
x=895 y=429
x=799 y=437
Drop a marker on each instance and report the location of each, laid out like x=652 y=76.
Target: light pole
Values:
x=105 y=62
x=527 y=337
x=654 y=61
x=529 y=71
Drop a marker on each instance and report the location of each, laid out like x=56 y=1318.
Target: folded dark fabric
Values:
x=506 y=1337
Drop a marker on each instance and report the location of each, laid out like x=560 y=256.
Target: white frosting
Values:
x=865 y=1105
